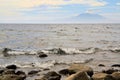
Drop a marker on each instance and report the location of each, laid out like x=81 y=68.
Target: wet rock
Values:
x=78 y=76
x=110 y=71
x=99 y=76
x=82 y=67
x=1 y=71
x=51 y=76
x=33 y=72
x=116 y=75
x=115 y=65
x=109 y=77
x=115 y=50
x=57 y=51
x=42 y=55
x=20 y=73
x=46 y=69
x=11 y=67
x=8 y=71
x=5 y=52
x=11 y=77
x=101 y=65
x=66 y=72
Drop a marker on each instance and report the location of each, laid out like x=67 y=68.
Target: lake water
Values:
x=92 y=44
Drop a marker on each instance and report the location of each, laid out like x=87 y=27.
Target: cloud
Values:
x=10 y=7
x=118 y=3
x=34 y=3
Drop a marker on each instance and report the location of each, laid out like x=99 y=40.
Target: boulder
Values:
x=57 y=51
x=5 y=52
x=42 y=55
x=11 y=77
x=101 y=65
x=99 y=76
x=116 y=75
x=8 y=71
x=109 y=77
x=11 y=67
x=115 y=65
x=51 y=76
x=110 y=71
x=81 y=67
x=1 y=71
x=78 y=76
x=66 y=72
x=20 y=73
x=33 y=72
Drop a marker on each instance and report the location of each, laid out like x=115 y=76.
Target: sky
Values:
x=57 y=11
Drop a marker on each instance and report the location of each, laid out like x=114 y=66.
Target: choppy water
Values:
x=84 y=43
x=65 y=36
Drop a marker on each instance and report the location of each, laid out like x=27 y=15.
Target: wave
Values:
x=71 y=51
x=44 y=65
x=57 y=51
x=115 y=50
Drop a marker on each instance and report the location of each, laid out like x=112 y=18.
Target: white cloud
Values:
x=33 y=3
x=6 y=6
x=118 y=3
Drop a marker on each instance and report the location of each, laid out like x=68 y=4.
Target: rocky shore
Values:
x=73 y=72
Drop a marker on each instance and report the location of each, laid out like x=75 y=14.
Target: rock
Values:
x=99 y=76
x=115 y=50
x=78 y=76
x=11 y=67
x=110 y=71
x=5 y=52
x=115 y=65
x=101 y=65
x=109 y=77
x=1 y=71
x=8 y=71
x=81 y=67
x=66 y=72
x=42 y=55
x=57 y=51
x=20 y=73
x=11 y=77
x=116 y=75
x=46 y=69
x=33 y=72
x=51 y=76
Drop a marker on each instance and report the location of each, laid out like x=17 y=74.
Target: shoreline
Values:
x=57 y=59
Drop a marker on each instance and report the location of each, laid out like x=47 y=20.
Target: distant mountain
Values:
x=88 y=17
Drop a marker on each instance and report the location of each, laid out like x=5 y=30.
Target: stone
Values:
x=66 y=72
x=51 y=76
x=11 y=77
x=99 y=76
x=78 y=76
x=5 y=52
x=58 y=51
x=20 y=73
x=110 y=71
x=82 y=67
x=1 y=71
x=115 y=65
x=101 y=65
x=116 y=75
x=109 y=77
x=33 y=72
x=11 y=67
x=8 y=71
x=42 y=55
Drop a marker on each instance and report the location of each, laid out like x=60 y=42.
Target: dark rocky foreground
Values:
x=74 y=72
